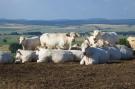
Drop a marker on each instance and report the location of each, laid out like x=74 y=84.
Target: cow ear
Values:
x=68 y=34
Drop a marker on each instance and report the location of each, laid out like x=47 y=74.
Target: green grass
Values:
x=10 y=39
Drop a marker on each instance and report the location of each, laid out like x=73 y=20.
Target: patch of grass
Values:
x=4 y=47
x=9 y=39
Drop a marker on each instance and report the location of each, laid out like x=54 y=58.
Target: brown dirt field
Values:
x=119 y=75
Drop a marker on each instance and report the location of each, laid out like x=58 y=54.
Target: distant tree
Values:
x=32 y=33
x=4 y=40
x=14 y=33
x=14 y=47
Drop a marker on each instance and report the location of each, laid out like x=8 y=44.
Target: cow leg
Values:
x=70 y=46
x=82 y=62
x=23 y=47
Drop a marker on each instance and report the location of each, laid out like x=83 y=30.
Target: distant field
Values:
x=76 y=28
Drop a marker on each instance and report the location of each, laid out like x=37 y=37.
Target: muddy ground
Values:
x=119 y=75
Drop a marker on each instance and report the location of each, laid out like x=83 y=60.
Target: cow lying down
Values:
x=23 y=56
x=92 y=55
x=58 y=56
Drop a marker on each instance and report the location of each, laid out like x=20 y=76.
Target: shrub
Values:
x=123 y=41
x=4 y=40
x=14 y=47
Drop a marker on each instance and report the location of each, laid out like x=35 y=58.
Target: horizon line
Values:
x=66 y=19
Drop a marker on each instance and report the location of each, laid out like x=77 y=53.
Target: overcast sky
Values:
x=67 y=9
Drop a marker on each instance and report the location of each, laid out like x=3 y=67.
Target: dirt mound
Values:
x=68 y=76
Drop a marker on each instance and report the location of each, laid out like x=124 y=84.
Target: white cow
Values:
x=58 y=40
x=105 y=38
x=109 y=54
x=44 y=55
x=131 y=41
x=126 y=53
x=6 y=57
x=57 y=56
x=60 y=56
x=29 y=43
x=85 y=44
x=94 y=43
x=119 y=52
x=114 y=53
x=94 y=56
x=23 y=56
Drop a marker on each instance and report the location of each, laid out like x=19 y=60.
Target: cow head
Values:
x=131 y=39
x=72 y=35
x=21 y=39
x=96 y=34
x=18 y=56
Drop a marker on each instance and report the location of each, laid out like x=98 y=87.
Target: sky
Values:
x=67 y=9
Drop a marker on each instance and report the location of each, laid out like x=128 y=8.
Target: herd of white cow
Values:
x=100 y=47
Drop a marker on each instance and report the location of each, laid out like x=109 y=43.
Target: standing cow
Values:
x=58 y=40
x=29 y=43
